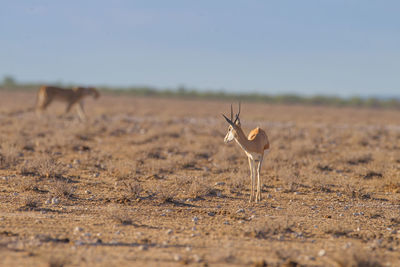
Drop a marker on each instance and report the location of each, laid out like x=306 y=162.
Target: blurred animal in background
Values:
x=255 y=146
x=73 y=97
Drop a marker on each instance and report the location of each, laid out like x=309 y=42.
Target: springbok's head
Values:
x=234 y=125
x=93 y=92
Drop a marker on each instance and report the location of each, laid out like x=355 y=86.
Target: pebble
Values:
x=196 y=258
x=96 y=175
x=240 y=211
x=188 y=249
x=48 y=201
x=87 y=192
x=15 y=194
x=55 y=200
x=142 y=247
x=226 y=222
x=77 y=230
x=177 y=257
x=219 y=183
x=211 y=214
x=195 y=219
x=322 y=252
x=169 y=231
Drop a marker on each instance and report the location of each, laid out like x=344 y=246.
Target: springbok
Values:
x=74 y=96
x=255 y=146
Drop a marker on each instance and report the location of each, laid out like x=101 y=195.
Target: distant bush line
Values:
x=221 y=95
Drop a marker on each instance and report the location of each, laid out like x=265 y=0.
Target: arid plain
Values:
x=149 y=182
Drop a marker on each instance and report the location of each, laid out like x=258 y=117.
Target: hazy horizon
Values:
x=339 y=48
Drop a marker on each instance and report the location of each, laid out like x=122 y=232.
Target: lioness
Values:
x=73 y=96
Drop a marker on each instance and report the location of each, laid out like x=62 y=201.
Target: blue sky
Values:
x=331 y=47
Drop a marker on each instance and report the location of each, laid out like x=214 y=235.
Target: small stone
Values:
x=78 y=243
x=77 y=161
x=188 y=249
x=177 y=257
x=87 y=192
x=15 y=194
x=142 y=247
x=322 y=252
x=211 y=214
x=195 y=219
x=55 y=200
x=226 y=222
x=169 y=231
x=219 y=183
x=196 y=258
x=77 y=230
x=240 y=211
x=96 y=175
x=48 y=201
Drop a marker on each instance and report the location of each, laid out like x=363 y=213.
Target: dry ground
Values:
x=150 y=182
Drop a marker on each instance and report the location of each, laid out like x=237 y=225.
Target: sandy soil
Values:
x=150 y=182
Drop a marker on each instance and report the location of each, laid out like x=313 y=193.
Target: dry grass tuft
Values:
x=9 y=156
x=199 y=187
x=44 y=167
x=61 y=188
x=358 y=258
x=57 y=262
x=121 y=217
x=132 y=190
x=166 y=193
x=30 y=202
x=268 y=229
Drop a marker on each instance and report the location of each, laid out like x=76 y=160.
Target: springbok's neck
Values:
x=241 y=139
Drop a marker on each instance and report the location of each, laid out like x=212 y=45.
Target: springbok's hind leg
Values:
x=251 y=165
x=258 y=196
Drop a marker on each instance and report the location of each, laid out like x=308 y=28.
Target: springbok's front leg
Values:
x=81 y=111
x=251 y=165
x=258 y=196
